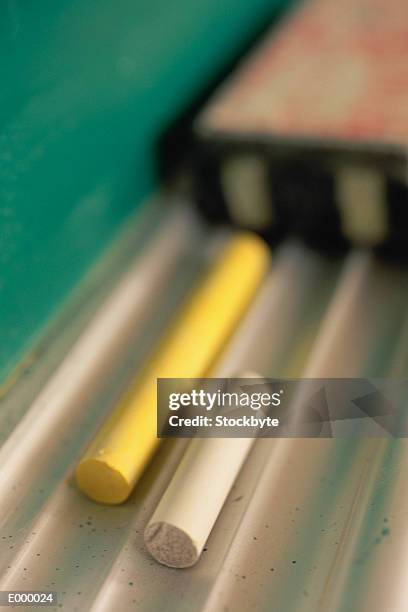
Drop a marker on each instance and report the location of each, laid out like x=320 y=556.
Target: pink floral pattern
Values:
x=336 y=69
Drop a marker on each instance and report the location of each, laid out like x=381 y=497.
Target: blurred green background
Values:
x=87 y=87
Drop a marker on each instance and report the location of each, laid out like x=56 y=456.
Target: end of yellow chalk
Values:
x=101 y=482
x=252 y=243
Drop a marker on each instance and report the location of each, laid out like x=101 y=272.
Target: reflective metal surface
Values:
x=310 y=525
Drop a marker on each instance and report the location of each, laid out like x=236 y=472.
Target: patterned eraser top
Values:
x=336 y=69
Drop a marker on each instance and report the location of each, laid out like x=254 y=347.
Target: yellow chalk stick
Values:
x=121 y=450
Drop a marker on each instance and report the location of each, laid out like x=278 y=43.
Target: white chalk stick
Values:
x=186 y=514
x=182 y=522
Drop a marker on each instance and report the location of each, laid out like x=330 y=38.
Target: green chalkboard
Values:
x=86 y=87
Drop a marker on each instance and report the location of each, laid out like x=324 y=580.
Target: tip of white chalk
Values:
x=170 y=545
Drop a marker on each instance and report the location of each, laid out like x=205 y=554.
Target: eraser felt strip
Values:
x=120 y=452
x=361 y=199
x=245 y=183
